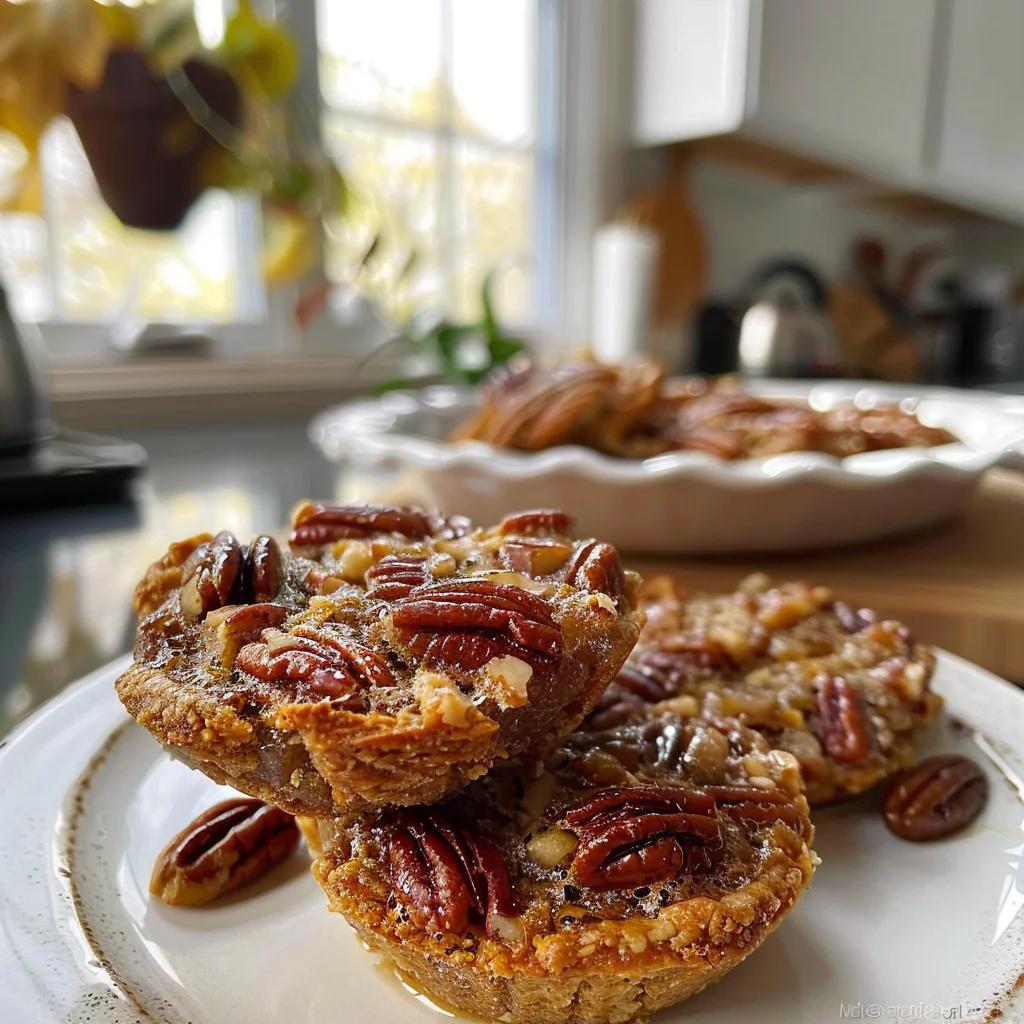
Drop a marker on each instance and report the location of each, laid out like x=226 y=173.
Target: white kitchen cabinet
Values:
x=981 y=133
x=691 y=62
x=844 y=80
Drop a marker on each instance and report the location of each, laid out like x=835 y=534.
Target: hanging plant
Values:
x=162 y=118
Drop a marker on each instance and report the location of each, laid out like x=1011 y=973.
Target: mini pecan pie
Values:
x=838 y=688
x=391 y=657
x=624 y=873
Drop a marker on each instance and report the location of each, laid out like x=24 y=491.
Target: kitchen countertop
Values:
x=68 y=575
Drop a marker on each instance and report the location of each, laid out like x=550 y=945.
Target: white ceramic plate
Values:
x=691 y=502
x=87 y=799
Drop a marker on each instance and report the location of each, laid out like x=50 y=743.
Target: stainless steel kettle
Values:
x=24 y=409
x=785 y=331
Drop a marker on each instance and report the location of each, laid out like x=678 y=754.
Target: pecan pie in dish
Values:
x=634 y=411
x=841 y=690
x=625 y=872
x=389 y=658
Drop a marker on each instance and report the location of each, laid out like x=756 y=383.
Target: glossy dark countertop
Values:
x=67 y=575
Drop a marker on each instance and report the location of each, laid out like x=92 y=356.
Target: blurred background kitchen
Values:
x=217 y=218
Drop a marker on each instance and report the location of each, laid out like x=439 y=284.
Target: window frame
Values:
x=583 y=87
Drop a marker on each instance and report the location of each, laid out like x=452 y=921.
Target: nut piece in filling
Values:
x=602 y=884
x=390 y=657
x=841 y=690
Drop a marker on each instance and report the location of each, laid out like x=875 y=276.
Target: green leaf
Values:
x=449 y=339
x=502 y=349
x=490 y=321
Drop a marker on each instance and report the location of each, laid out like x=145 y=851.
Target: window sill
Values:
x=165 y=392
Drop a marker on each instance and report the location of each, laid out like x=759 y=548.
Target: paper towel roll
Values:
x=625 y=263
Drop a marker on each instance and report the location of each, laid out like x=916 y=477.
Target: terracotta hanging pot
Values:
x=143 y=146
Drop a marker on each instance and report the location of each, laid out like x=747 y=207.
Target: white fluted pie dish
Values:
x=692 y=502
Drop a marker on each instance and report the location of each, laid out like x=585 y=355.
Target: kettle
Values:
x=24 y=409
x=785 y=331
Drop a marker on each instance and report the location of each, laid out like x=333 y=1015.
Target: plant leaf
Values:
x=502 y=349
x=490 y=321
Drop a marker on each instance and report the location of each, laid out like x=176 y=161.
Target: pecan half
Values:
x=315 y=663
x=212 y=571
x=229 y=846
x=596 y=567
x=752 y=803
x=263 y=567
x=846 y=731
x=536 y=522
x=396 y=576
x=464 y=623
x=444 y=873
x=228 y=628
x=630 y=837
x=317 y=523
x=935 y=798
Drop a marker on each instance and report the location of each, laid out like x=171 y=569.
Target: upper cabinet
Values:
x=981 y=138
x=848 y=81
x=845 y=81
x=691 y=64
x=925 y=95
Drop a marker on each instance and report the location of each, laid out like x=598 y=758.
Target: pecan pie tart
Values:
x=625 y=872
x=389 y=657
x=840 y=689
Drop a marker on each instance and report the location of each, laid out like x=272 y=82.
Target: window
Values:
x=431 y=107
x=434 y=106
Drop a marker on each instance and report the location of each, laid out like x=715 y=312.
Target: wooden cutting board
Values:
x=960 y=587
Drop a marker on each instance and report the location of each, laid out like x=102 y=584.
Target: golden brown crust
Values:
x=385 y=668
x=843 y=691
x=574 y=953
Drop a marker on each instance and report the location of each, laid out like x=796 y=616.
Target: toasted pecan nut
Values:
x=229 y=846
x=396 y=576
x=629 y=837
x=214 y=569
x=443 y=873
x=536 y=523
x=596 y=567
x=463 y=624
x=263 y=569
x=234 y=625
x=316 y=523
x=315 y=663
x=846 y=731
x=935 y=798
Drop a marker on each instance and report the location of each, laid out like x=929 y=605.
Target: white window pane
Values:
x=103 y=268
x=494 y=52
x=23 y=269
x=493 y=226
x=399 y=176
x=381 y=56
